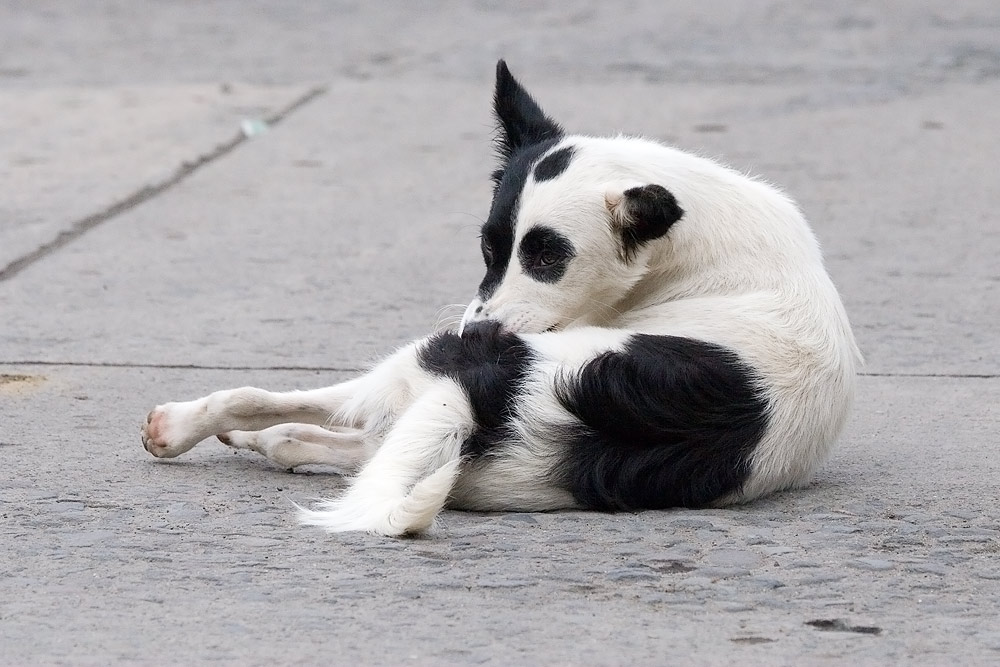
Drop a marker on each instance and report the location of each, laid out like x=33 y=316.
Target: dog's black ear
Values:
x=641 y=214
x=520 y=121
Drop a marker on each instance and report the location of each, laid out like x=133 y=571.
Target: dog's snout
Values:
x=473 y=312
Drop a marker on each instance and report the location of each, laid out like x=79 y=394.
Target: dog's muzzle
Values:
x=472 y=314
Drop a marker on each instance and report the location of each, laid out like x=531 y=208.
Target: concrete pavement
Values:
x=149 y=254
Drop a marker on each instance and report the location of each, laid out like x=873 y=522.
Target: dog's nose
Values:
x=472 y=312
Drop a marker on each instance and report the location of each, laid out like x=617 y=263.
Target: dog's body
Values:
x=653 y=330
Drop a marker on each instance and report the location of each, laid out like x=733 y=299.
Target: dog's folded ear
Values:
x=641 y=214
x=520 y=121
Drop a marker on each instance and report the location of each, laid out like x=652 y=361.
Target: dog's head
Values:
x=570 y=226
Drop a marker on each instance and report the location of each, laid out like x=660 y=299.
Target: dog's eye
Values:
x=487 y=251
x=545 y=254
x=547 y=258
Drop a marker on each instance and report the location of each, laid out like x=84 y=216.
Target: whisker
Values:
x=444 y=319
x=444 y=323
x=450 y=306
x=607 y=305
x=471 y=215
x=588 y=314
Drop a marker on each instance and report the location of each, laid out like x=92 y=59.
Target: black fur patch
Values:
x=498 y=230
x=554 y=164
x=521 y=121
x=651 y=210
x=489 y=364
x=545 y=254
x=667 y=422
x=524 y=134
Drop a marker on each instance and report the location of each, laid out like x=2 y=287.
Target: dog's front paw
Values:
x=169 y=430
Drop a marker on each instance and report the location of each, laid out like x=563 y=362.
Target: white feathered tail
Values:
x=412 y=513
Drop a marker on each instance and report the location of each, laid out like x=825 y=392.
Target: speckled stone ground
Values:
x=294 y=258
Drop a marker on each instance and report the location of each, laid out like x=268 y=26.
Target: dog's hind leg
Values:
x=369 y=402
x=408 y=480
x=293 y=445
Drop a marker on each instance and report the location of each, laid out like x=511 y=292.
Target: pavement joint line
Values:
x=147 y=192
x=183 y=367
x=343 y=369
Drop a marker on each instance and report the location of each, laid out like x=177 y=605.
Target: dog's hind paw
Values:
x=165 y=433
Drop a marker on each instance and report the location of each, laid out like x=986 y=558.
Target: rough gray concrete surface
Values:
x=147 y=254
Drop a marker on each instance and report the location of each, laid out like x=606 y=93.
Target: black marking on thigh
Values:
x=665 y=422
x=545 y=254
x=489 y=364
x=554 y=164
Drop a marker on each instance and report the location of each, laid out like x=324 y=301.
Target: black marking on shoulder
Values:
x=666 y=422
x=489 y=364
x=498 y=230
x=545 y=254
x=554 y=164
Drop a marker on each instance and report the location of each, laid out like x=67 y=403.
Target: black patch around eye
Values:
x=545 y=254
x=498 y=230
x=487 y=250
x=553 y=164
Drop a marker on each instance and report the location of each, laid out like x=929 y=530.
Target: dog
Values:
x=653 y=330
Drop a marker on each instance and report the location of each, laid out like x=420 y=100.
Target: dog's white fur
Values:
x=741 y=270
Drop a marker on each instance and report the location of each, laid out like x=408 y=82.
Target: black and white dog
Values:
x=653 y=330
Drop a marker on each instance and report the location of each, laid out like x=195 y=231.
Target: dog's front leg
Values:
x=173 y=428
x=368 y=403
x=293 y=445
